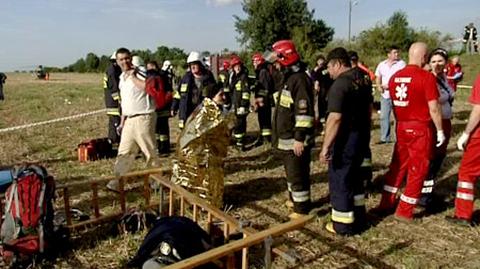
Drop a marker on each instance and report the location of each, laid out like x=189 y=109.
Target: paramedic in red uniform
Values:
x=415 y=103
x=470 y=166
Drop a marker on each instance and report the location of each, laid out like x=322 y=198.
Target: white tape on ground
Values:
x=15 y=128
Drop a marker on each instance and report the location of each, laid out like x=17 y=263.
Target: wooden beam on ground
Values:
x=100 y=220
x=193 y=199
x=235 y=246
x=235 y=226
x=160 y=171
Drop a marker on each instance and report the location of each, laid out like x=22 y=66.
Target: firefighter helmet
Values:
x=166 y=65
x=114 y=55
x=137 y=61
x=194 y=57
x=226 y=65
x=286 y=52
x=258 y=57
x=235 y=60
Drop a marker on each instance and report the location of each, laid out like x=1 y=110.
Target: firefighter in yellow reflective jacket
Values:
x=112 y=99
x=263 y=94
x=224 y=78
x=191 y=89
x=239 y=85
x=293 y=126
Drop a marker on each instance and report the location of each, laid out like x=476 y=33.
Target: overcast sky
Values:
x=58 y=32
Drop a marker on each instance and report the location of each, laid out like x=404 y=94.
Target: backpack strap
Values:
x=17 y=207
x=39 y=170
x=19 y=171
x=10 y=196
x=42 y=195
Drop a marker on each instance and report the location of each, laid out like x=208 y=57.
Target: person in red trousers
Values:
x=470 y=165
x=414 y=96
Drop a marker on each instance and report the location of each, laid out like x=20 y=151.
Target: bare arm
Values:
x=474 y=120
x=122 y=120
x=436 y=114
x=378 y=82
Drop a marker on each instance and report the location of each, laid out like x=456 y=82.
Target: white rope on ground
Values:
x=15 y=128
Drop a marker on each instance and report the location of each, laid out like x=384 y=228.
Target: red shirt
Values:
x=475 y=100
x=410 y=89
x=451 y=71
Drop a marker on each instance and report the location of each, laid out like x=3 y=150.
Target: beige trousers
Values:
x=138 y=133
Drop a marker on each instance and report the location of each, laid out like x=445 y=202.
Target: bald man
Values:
x=414 y=96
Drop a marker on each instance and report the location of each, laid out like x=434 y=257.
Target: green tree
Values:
x=91 y=62
x=104 y=62
x=268 y=21
x=373 y=43
x=79 y=66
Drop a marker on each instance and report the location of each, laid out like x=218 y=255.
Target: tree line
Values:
x=93 y=63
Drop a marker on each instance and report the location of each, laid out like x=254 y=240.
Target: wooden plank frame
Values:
x=230 y=225
x=141 y=177
x=179 y=200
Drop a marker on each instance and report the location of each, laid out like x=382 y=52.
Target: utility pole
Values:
x=351 y=3
x=349 y=19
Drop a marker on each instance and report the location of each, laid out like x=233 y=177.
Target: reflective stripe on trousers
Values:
x=390 y=189
x=408 y=200
x=343 y=217
x=287 y=144
x=359 y=200
x=162 y=137
x=266 y=132
x=300 y=196
x=428 y=186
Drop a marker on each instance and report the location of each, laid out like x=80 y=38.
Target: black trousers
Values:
x=162 y=131
x=347 y=190
x=322 y=103
x=366 y=171
x=298 y=178
x=240 y=129
x=264 y=114
x=113 y=123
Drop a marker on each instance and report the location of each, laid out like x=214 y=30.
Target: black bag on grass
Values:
x=170 y=240
x=137 y=220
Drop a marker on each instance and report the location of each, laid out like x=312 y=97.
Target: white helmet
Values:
x=137 y=61
x=166 y=65
x=206 y=61
x=114 y=55
x=194 y=57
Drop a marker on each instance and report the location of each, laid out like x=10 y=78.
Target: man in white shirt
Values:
x=384 y=71
x=138 y=117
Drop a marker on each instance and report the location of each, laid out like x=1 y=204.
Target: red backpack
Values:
x=28 y=222
x=155 y=87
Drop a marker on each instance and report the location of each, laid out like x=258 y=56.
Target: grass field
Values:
x=255 y=185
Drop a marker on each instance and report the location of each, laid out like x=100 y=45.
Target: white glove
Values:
x=462 y=141
x=440 y=138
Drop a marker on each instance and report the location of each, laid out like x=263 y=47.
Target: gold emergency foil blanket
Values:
x=202 y=148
